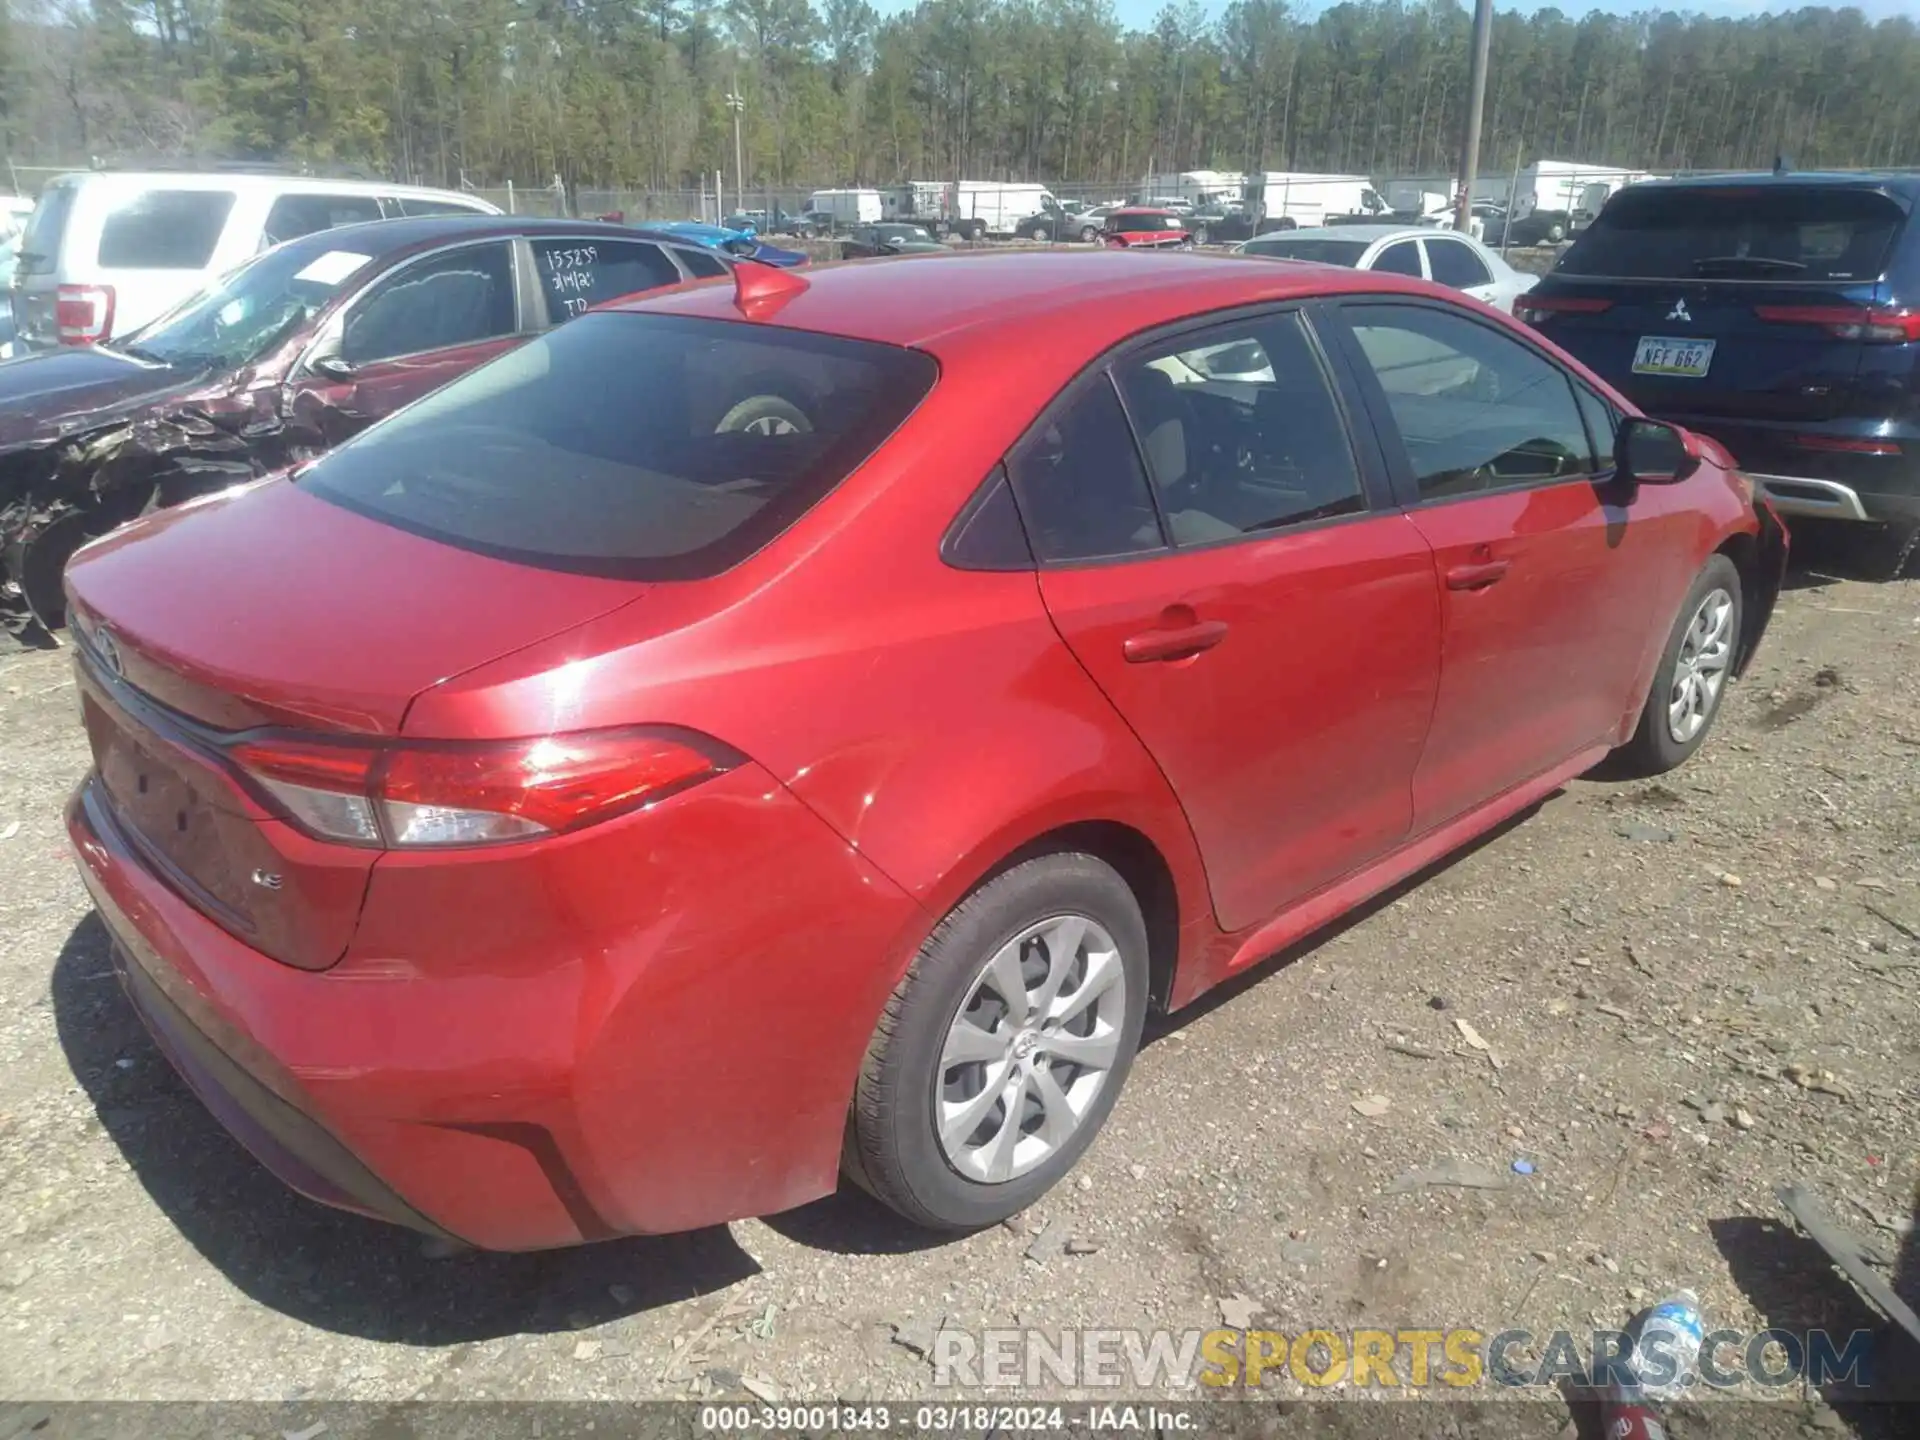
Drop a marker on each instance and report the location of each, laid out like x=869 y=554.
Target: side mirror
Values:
x=334 y=367
x=1652 y=452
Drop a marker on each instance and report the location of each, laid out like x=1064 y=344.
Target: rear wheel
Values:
x=977 y=230
x=1200 y=236
x=1038 y=232
x=1000 y=1054
x=765 y=415
x=1691 y=681
x=1089 y=234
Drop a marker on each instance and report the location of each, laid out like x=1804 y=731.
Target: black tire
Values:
x=1200 y=236
x=1556 y=232
x=769 y=414
x=1038 y=232
x=977 y=230
x=1089 y=234
x=1654 y=748
x=892 y=1150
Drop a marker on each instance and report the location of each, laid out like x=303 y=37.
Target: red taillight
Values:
x=1843 y=445
x=1873 y=323
x=1532 y=309
x=83 y=314
x=409 y=794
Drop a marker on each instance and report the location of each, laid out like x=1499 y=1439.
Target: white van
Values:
x=847 y=207
x=106 y=251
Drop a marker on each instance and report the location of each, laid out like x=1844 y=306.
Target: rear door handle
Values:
x=1174 y=644
x=1477 y=576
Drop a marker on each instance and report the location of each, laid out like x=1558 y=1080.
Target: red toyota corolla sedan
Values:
x=789 y=727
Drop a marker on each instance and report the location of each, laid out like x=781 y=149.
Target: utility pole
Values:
x=1476 y=102
x=736 y=102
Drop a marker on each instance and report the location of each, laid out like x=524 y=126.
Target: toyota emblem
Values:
x=109 y=651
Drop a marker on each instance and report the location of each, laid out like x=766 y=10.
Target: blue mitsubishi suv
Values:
x=1778 y=313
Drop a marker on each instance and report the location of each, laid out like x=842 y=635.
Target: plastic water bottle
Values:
x=1666 y=1348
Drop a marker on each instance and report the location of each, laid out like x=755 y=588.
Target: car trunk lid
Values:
x=274 y=608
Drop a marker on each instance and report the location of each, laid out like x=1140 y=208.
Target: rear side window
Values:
x=458 y=297
x=700 y=262
x=165 y=230
x=1779 y=233
x=1080 y=482
x=40 y=245
x=578 y=273
x=295 y=215
x=1400 y=258
x=631 y=445
x=1241 y=432
x=1455 y=264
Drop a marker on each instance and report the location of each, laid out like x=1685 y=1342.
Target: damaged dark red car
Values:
x=283 y=359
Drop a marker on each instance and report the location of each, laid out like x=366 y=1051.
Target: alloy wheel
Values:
x=1030 y=1048
x=1700 y=669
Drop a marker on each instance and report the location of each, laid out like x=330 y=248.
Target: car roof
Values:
x=938 y=302
x=1141 y=210
x=1905 y=184
x=243 y=181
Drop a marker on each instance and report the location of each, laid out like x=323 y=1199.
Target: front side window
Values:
x=165 y=230
x=639 y=446
x=1455 y=264
x=576 y=274
x=1602 y=423
x=700 y=263
x=458 y=297
x=1080 y=482
x=1476 y=410
x=1241 y=431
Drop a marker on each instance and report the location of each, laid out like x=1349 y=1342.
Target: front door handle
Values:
x=1477 y=576
x=1174 y=644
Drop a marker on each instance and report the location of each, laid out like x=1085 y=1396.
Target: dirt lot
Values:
x=1651 y=966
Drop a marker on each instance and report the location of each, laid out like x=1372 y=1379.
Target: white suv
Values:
x=107 y=251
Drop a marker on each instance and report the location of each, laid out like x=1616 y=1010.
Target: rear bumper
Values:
x=1804 y=480
x=565 y=1084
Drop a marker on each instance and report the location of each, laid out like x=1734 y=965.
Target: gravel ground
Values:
x=1689 y=991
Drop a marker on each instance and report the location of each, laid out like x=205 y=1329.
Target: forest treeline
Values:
x=633 y=93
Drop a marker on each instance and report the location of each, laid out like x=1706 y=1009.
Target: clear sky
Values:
x=1139 y=14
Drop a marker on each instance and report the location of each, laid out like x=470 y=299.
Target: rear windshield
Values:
x=648 y=447
x=40 y=245
x=1325 y=252
x=164 y=230
x=1777 y=233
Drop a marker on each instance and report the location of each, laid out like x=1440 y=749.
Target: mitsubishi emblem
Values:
x=1679 y=311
